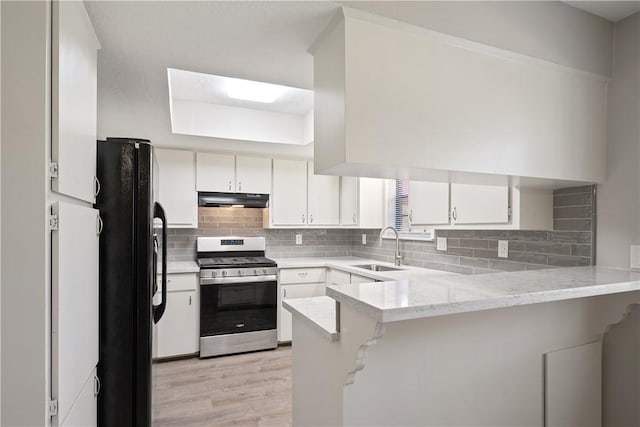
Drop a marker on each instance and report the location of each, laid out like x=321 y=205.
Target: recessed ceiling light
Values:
x=253 y=91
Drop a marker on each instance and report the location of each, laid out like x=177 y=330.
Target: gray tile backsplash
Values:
x=468 y=251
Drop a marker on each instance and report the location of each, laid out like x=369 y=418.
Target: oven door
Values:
x=233 y=305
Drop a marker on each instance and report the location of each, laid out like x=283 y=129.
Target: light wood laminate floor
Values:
x=252 y=389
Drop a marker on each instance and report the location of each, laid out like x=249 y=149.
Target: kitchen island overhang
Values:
x=459 y=350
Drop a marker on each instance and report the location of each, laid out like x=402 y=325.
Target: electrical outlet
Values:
x=503 y=249
x=635 y=257
x=364 y=239
x=441 y=244
x=298 y=239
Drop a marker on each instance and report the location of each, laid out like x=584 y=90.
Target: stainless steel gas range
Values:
x=238 y=296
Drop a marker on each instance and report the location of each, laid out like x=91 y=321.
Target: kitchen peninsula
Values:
x=508 y=349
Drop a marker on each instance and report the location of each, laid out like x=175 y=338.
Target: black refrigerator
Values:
x=129 y=245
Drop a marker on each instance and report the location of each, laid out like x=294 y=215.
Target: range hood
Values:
x=245 y=200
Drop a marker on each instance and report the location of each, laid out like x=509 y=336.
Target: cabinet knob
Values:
x=454 y=213
x=229 y=185
x=303 y=218
x=310 y=218
x=302 y=274
x=354 y=218
x=96 y=186
x=411 y=215
x=96 y=385
x=240 y=186
x=284 y=292
x=189 y=299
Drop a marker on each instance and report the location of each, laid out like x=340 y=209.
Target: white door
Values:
x=428 y=202
x=348 y=200
x=176 y=330
x=74 y=100
x=479 y=204
x=289 y=198
x=74 y=326
x=84 y=412
x=305 y=290
x=324 y=198
x=253 y=175
x=177 y=193
x=216 y=172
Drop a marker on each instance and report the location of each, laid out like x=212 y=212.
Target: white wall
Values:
x=25 y=252
x=549 y=30
x=619 y=197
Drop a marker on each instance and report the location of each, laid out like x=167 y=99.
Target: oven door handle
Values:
x=236 y=280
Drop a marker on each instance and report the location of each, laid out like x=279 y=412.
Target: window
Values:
x=401 y=203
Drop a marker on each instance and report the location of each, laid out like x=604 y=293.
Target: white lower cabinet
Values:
x=177 y=333
x=339 y=277
x=297 y=283
x=84 y=411
x=355 y=278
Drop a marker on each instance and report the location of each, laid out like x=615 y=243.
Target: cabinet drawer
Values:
x=303 y=275
x=180 y=282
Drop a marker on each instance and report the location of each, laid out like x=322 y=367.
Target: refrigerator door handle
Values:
x=155 y=265
x=158 y=310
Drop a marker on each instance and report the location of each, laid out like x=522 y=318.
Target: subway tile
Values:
x=568 y=261
x=573 y=190
x=460 y=269
x=435 y=266
x=462 y=234
x=474 y=243
x=490 y=234
x=572 y=224
x=453 y=242
x=570 y=236
x=538 y=267
x=485 y=253
x=474 y=262
x=527 y=257
x=571 y=212
x=468 y=252
x=548 y=248
x=580 y=199
x=527 y=235
x=581 y=250
x=484 y=271
x=506 y=265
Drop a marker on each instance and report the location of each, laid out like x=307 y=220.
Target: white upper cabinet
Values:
x=74 y=101
x=289 y=199
x=253 y=175
x=177 y=187
x=216 y=172
x=479 y=204
x=428 y=203
x=230 y=174
x=324 y=198
x=481 y=109
x=348 y=200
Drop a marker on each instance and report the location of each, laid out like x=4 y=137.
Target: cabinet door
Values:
x=428 y=203
x=289 y=199
x=338 y=277
x=324 y=198
x=479 y=204
x=74 y=101
x=348 y=200
x=253 y=175
x=355 y=278
x=74 y=295
x=371 y=202
x=84 y=412
x=177 y=187
x=176 y=331
x=293 y=291
x=216 y=172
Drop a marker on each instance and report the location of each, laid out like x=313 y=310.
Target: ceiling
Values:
x=613 y=11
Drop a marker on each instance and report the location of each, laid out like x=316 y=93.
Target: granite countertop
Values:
x=450 y=294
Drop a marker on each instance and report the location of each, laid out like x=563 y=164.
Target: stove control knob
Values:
x=255 y=272
x=224 y=273
x=264 y=271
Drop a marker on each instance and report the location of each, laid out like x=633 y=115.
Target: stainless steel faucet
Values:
x=398 y=257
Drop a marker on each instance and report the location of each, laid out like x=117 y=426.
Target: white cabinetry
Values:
x=479 y=204
x=253 y=175
x=297 y=283
x=84 y=411
x=428 y=203
x=339 y=277
x=289 y=199
x=74 y=295
x=362 y=202
x=177 y=187
x=74 y=101
x=356 y=278
x=177 y=333
x=235 y=174
x=324 y=198
x=215 y=172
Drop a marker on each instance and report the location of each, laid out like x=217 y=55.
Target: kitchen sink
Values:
x=376 y=267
